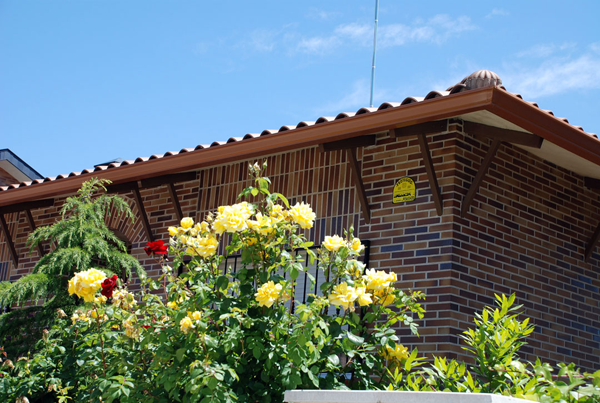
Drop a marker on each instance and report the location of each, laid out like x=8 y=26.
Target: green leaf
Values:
x=222 y=282
x=334 y=360
x=294 y=272
x=283 y=199
x=254 y=192
x=179 y=354
x=355 y=339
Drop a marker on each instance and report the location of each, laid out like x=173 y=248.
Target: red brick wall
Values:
x=525 y=232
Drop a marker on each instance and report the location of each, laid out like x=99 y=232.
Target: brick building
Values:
x=505 y=201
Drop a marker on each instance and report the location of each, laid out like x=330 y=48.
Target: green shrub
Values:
x=218 y=335
x=494 y=343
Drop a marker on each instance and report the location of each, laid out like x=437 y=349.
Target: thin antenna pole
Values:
x=374 y=50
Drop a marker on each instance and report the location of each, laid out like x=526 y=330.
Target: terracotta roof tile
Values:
x=475 y=80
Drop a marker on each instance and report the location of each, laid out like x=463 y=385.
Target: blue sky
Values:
x=86 y=81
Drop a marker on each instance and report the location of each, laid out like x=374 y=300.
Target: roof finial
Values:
x=480 y=79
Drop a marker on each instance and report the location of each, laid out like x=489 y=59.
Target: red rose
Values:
x=156 y=248
x=146 y=326
x=108 y=285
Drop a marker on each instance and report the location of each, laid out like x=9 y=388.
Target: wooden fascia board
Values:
x=535 y=120
x=383 y=120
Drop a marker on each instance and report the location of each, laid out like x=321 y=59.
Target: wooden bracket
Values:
x=9 y=240
x=362 y=141
x=481 y=131
x=143 y=215
x=433 y=183
x=437 y=126
x=175 y=200
x=485 y=164
x=360 y=187
x=168 y=180
x=32 y=226
x=592 y=244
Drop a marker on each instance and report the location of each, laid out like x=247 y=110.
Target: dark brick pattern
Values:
x=525 y=233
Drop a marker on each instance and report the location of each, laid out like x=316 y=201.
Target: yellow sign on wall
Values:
x=404 y=190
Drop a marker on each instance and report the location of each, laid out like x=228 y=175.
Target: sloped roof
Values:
x=477 y=97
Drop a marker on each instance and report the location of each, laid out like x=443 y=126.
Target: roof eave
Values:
x=493 y=99
x=535 y=120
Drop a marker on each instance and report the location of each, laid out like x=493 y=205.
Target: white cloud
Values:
x=317 y=45
x=437 y=30
x=545 y=50
x=497 y=12
x=262 y=40
x=554 y=76
x=320 y=14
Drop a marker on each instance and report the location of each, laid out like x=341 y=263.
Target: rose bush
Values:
x=216 y=334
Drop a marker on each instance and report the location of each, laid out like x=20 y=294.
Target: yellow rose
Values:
x=384 y=297
x=203 y=246
x=343 y=295
x=232 y=218
x=130 y=330
x=333 y=243
x=356 y=246
x=270 y=292
x=172 y=305
x=80 y=316
x=173 y=231
x=124 y=299
x=196 y=315
x=187 y=223
x=364 y=298
x=379 y=279
x=186 y=324
x=85 y=284
x=204 y=226
x=263 y=224
x=399 y=353
x=303 y=215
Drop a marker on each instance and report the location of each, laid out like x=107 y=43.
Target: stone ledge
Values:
x=366 y=396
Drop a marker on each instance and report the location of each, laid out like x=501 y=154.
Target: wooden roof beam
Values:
x=9 y=240
x=168 y=179
x=481 y=131
x=13 y=208
x=437 y=126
